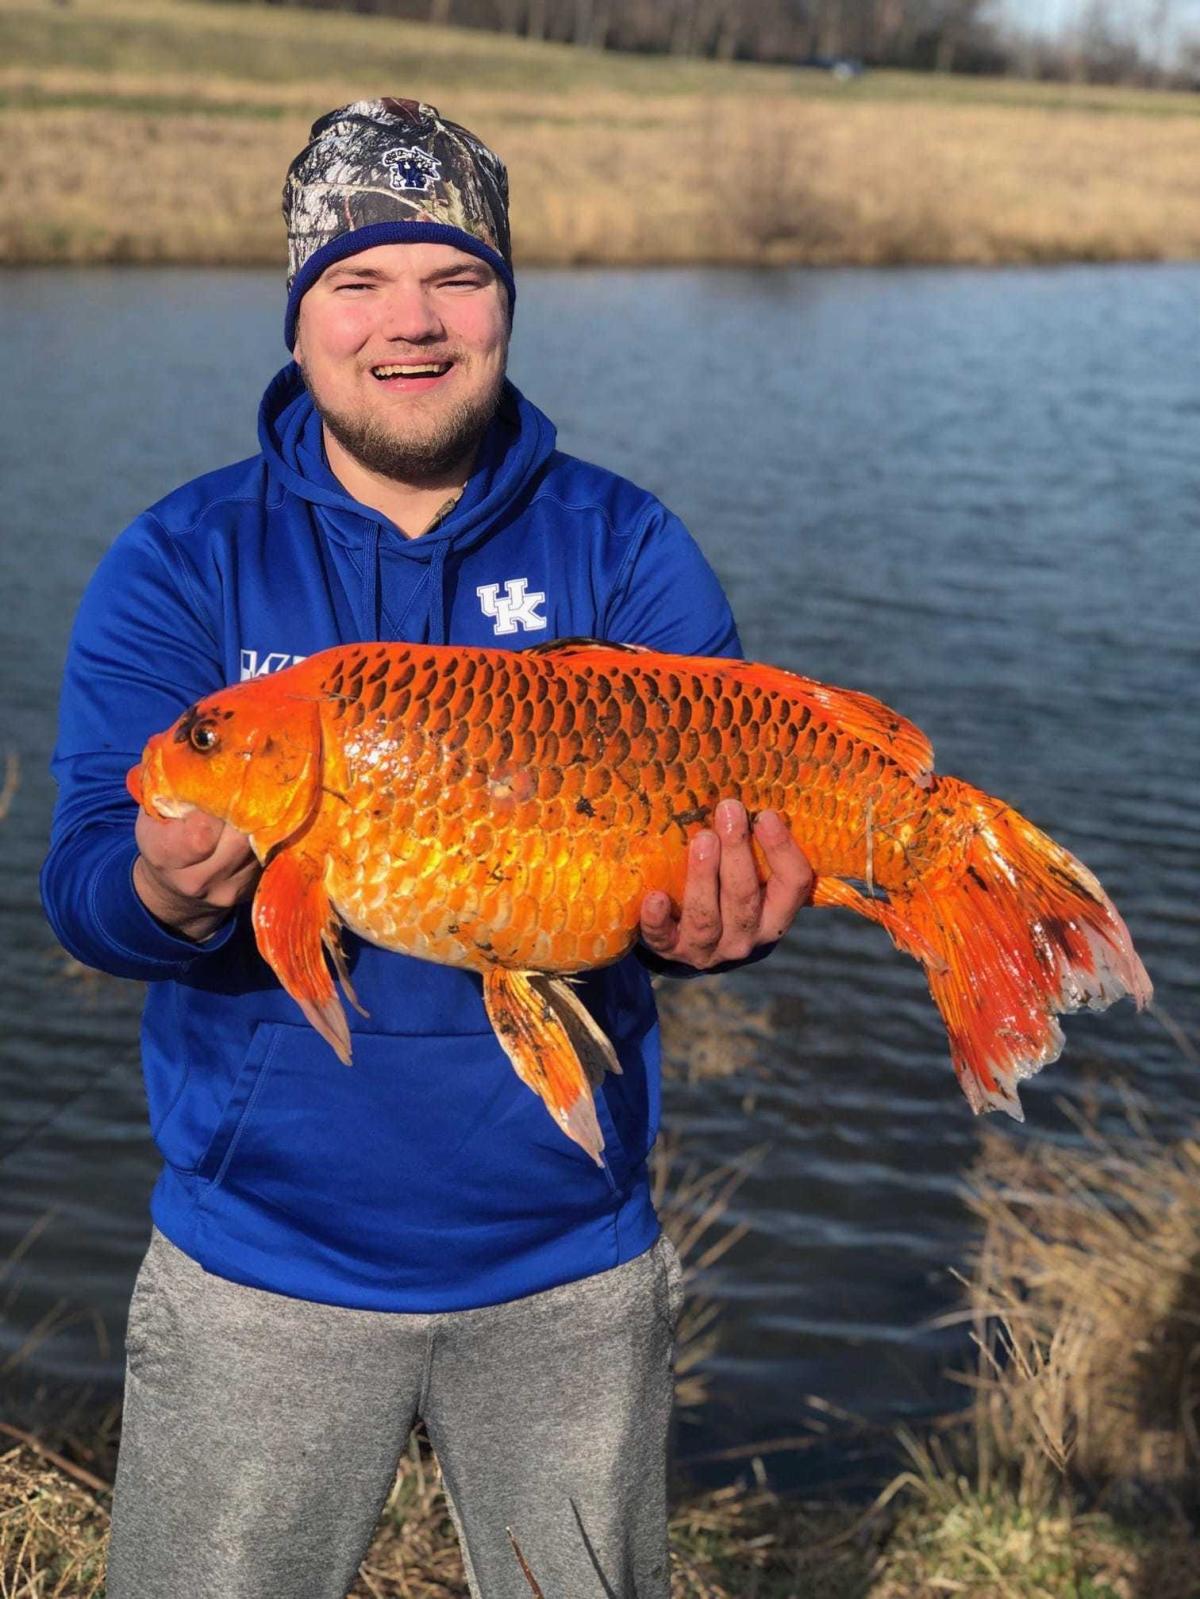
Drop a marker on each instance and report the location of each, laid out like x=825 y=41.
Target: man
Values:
x=338 y=1252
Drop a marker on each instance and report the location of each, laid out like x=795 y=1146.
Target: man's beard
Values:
x=454 y=437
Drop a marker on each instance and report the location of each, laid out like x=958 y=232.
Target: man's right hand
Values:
x=192 y=872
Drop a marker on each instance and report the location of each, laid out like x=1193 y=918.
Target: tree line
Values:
x=1109 y=41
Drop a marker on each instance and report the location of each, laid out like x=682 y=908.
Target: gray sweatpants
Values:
x=261 y=1434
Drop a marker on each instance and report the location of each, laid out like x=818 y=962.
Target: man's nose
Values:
x=409 y=313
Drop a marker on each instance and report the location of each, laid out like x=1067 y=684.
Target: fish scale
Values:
x=508 y=812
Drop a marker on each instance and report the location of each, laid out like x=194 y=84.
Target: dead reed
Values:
x=53 y=1530
x=1085 y=1302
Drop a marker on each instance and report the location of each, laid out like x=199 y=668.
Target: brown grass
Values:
x=1085 y=1295
x=709 y=1030
x=53 y=1531
x=165 y=139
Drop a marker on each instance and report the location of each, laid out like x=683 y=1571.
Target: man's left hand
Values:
x=727 y=913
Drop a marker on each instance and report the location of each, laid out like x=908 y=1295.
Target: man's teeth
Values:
x=429 y=369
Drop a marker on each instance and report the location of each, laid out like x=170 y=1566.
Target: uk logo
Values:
x=516 y=609
x=255 y=665
x=411 y=168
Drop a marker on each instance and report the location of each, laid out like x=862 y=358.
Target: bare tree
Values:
x=1158 y=23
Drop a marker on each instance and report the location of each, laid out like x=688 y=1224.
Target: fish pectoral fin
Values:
x=537 y=1022
x=835 y=891
x=294 y=923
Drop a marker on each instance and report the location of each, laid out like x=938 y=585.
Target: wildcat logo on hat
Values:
x=412 y=168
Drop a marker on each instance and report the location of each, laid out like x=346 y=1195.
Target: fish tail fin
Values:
x=1024 y=933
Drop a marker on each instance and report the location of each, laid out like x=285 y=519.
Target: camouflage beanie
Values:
x=391 y=172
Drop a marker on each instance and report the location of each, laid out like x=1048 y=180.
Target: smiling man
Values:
x=338 y=1253
x=412 y=422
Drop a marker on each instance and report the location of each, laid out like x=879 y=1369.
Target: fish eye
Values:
x=204 y=737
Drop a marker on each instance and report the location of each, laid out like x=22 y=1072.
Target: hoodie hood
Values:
x=515 y=448
x=517 y=444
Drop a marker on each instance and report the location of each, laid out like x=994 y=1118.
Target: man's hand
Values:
x=192 y=872
x=726 y=912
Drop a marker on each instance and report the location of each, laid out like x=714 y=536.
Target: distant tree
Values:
x=954 y=25
x=1158 y=23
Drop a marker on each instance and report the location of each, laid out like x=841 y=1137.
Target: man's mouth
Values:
x=147 y=785
x=405 y=374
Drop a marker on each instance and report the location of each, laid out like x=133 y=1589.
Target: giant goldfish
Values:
x=508 y=812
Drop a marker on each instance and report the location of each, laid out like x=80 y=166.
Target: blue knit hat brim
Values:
x=359 y=239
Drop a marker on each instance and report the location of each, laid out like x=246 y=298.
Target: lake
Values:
x=972 y=493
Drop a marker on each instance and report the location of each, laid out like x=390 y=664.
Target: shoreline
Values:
x=527 y=263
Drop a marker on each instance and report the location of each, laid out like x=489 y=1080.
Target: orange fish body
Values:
x=509 y=811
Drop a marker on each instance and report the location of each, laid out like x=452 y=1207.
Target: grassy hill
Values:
x=159 y=130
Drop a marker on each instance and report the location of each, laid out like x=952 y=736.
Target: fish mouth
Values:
x=147 y=785
x=172 y=809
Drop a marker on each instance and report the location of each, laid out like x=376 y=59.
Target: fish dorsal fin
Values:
x=578 y=646
x=858 y=714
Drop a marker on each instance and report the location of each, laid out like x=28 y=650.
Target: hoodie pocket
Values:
x=247 y=1086
x=422 y=1137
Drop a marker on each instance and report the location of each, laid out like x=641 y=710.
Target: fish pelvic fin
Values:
x=552 y=1049
x=294 y=923
x=1024 y=933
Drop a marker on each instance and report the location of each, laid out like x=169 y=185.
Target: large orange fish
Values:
x=508 y=812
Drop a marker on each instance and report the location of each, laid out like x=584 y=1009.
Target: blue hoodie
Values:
x=426 y=1176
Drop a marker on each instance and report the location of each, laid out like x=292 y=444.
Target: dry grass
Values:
x=1085 y=1295
x=146 y=132
x=709 y=1030
x=10 y=783
x=1074 y=1472
x=53 y=1531
x=414 y=1554
x=948 y=1538
x=692 y=1203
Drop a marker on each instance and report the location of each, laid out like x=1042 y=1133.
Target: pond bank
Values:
x=153 y=133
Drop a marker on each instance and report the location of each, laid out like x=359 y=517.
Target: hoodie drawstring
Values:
x=369 y=600
x=368 y=608
x=437 y=593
